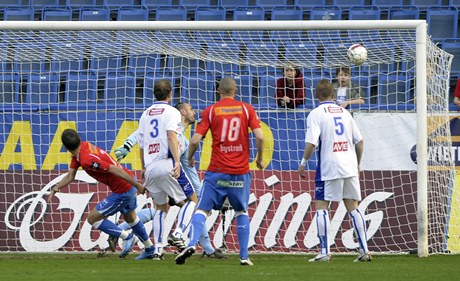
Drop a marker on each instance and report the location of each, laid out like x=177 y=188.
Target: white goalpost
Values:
x=97 y=77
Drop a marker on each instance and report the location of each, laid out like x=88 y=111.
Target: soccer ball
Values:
x=357 y=54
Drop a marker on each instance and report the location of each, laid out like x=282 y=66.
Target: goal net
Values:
x=97 y=77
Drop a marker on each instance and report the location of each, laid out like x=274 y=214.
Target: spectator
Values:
x=290 y=89
x=457 y=93
x=346 y=92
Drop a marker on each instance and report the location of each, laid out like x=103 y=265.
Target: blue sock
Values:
x=146 y=215
x=140 y=232
x=110 y=228
x=205 y=242
x=242 y=222
x=196 y=229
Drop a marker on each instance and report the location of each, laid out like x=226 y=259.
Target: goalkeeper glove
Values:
x=123 y=151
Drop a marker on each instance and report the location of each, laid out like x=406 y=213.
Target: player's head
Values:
x=162 y=89
x=70 y=139
x=324 y=90
x=187 y=112
x=227 y=87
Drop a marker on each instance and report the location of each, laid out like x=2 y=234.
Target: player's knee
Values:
x=241 y=213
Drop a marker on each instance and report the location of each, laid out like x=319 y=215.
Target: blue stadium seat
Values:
x=244 y=88
x=9 y=83
x=67 y=56
x=8 y=3
x=3 y=57
x=193 y=4
x=78 y=4
x=198 y=89
x=423 y=5
x=385 y=59
x=403 y=13
x=442 y=22
x=269 y=4
x=57 y=13
x=133 y=13
x=252 y=13
x=363 y=13
x=310 y=82
x=218 y=57
x=81 y=87
x=347 y=4
x=233 y=4
x=42 y=88
x=264 y=55
x=142 y=61
x=452 y=46
x=171 y=13
x=120 y=89
x=210 y=13
x=29 y=57
x=408 y=58
x=386 y=4
x=286 y=13
x=454 y=3
x=16 y=13
x=364 y=82
x=94 y=13
x=308 y=4
x=115 y=4
x=149 y=81
x=267 y=90
x=301 y=53
x=177 y=64
x=153 y=4
x=38 y=5
x=325 y=13
x=105 y=57
x=393 y=89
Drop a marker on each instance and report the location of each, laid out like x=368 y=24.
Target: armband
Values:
x=303 y=162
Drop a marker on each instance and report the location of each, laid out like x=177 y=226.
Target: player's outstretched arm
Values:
x=64 y=182
x=120 y=172
x=260 y=147
x=122 y=151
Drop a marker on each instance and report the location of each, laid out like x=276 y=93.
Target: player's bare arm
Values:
x=120 y=172
x=173 y=145
x=193 y=146
x=359 y=152
x=64 y=182
x=260 y=147
x=309 y=149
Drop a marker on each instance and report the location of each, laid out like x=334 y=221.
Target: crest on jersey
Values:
x=95 y=166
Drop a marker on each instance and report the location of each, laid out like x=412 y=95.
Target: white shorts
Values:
x=160 y=183
x=338 y=189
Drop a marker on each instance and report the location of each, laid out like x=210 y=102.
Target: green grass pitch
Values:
x=279 y=267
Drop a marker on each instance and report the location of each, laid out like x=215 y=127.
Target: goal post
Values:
x=97 y=77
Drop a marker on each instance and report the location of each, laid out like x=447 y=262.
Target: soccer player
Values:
x=101 y=166
x=228 y=174
x=145 y=215
x=332 y=128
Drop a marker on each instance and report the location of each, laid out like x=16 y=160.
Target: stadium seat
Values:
x=286 y=13
x=210 y=13
x=94 y=13
x=198 y=89
x=244 y=87
x=454 y=3
x=42 y=88
x=423 y=5
x=81 y=87
x=3 y=57
x=9 y=3
x=115 y=4
x=403 y=13
x=38 y=5
x=310 y=82
x=393 y=89
x=57 y=13
x=408 y=59
x=385 y=59
x=178 y=64
x=23 y=13
x=153 y=4
x=29 y=57
x=442 y=22
x=452 y=46
x=363 y=13
x=78 y=4
x=9 y=83
x=269 y=4
x=233 y=4
x=193 y=4
x=336 y=54
x=251 y=13
x=347 y=4
x=120 y=89
x=301 y=53
x=105 y=57
x=171 y=13
x=267 y=90
x=218 y=57
x=141 y=60
x=386 y=4
x=364 y=82
x=308 y=4
x=67 y=56
x=264 y=55
x=149 y=80
x=325 y=13
x=133 y=13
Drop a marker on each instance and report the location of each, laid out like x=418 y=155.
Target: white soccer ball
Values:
x=357 y=54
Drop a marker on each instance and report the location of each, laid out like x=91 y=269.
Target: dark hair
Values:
x=162 y=89
x=70 y=139
x=293 y=66
x=344 y=69
x=179 y=105
x=324 y=89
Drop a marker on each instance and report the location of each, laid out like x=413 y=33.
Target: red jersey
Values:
x=457 y=89
x=96 y=162
x=229 y=121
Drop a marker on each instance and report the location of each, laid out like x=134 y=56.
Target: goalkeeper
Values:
x=186 y=211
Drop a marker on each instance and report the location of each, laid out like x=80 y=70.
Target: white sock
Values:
x=323 y=224
x=183 y=218
x=158 y=229
x=359 y=226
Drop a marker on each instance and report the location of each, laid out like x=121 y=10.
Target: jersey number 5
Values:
x=339 y=127
x=230 y=129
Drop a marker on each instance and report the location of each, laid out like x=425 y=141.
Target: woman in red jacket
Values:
x=290 y=89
